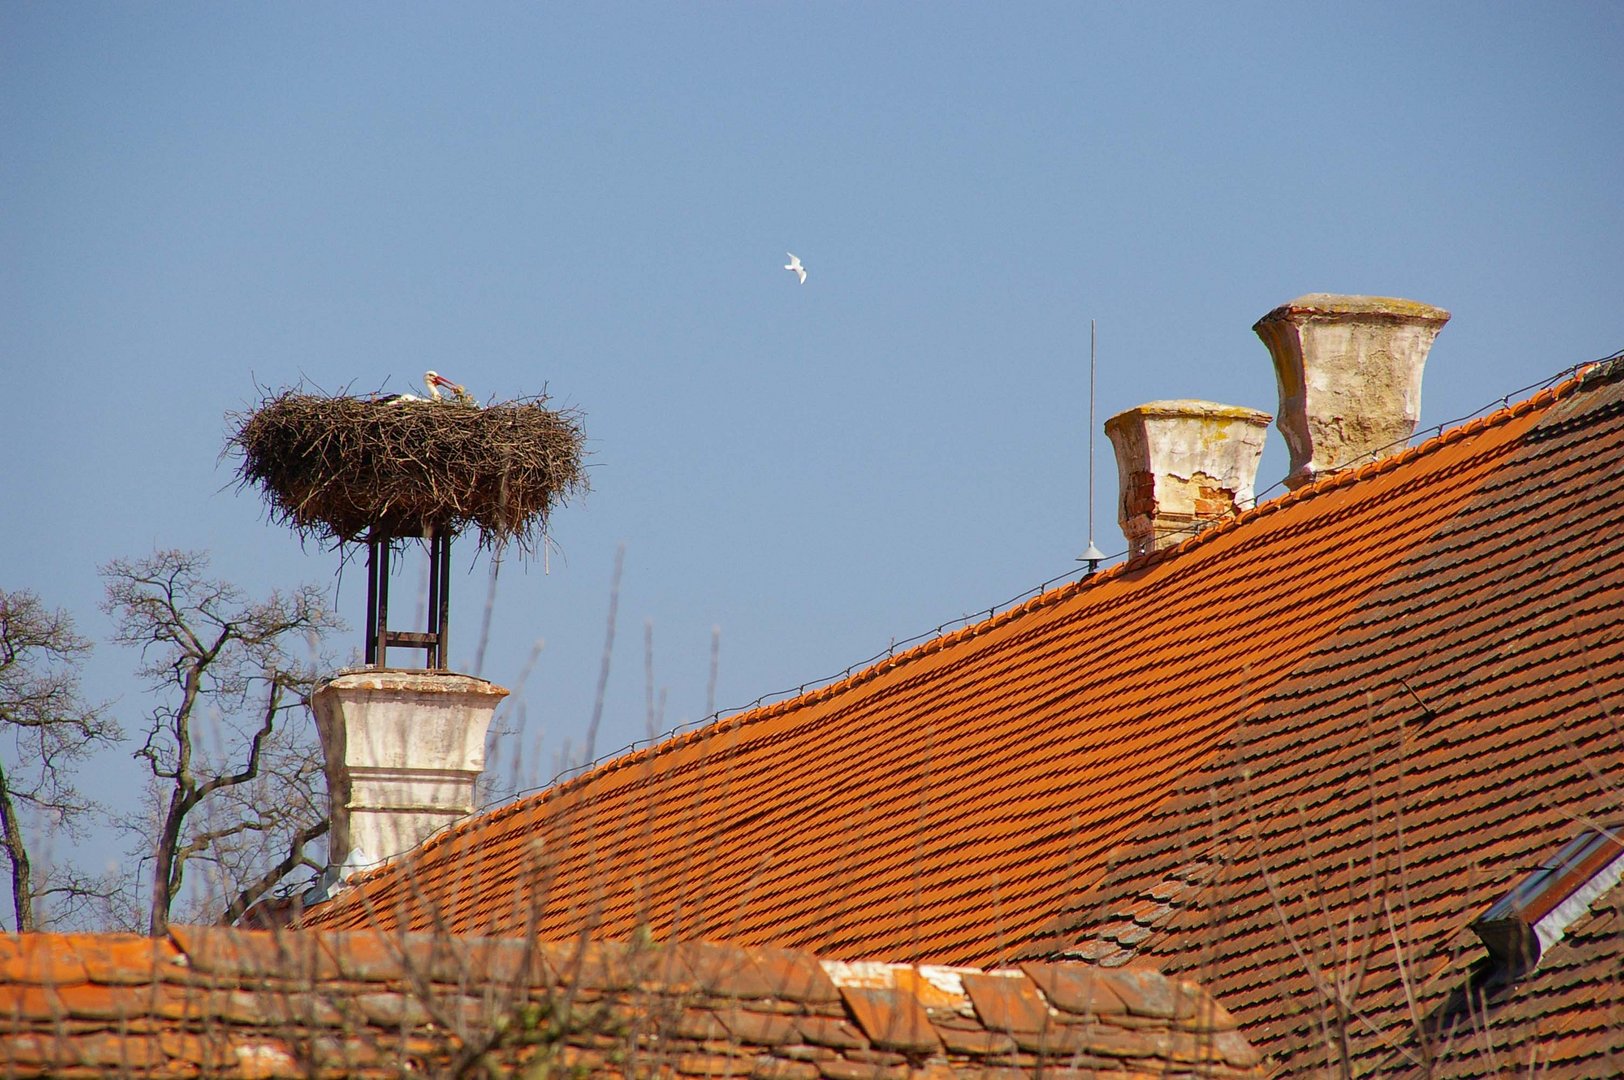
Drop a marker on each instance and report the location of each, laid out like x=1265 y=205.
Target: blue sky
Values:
x=200 y=200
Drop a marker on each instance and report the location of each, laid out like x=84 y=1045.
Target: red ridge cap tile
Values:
x=116 y=959
x=29 y=1001
x=242 y=954
x=891 y=1019
x=1076 y=989
x=1147 y=992
x=758 y=1028
x=1007 y=1004
x=835 y=1032
x=794 y=976
x=886 y=1020
x=42 y=960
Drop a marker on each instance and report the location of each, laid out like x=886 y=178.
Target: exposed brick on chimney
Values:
x=1182 y=465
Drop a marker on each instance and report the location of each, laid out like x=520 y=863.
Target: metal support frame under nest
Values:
x=435 y=640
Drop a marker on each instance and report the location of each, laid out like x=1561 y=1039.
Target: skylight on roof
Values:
x=1522 y=925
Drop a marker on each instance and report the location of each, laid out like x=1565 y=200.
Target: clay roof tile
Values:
x=397 y=1005
x=1451 y=730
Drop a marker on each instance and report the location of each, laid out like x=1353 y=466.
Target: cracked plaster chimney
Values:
x=404 y=750
x=1349 y=371
x=1182 y=464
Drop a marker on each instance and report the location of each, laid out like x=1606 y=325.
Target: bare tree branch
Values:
x=46 y=729
x=295 y=858
x=222 y=669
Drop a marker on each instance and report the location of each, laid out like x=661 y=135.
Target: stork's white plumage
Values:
x=794 y=266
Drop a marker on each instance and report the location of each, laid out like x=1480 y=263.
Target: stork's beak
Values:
x=441 y=380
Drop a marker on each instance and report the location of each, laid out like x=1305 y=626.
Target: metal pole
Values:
x=1092 y=352
x=443 y=636
x=1093 y=555
x=383 y=602
x=431 y=647
x=372 y=601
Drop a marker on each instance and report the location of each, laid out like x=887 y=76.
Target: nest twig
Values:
x=345 y=468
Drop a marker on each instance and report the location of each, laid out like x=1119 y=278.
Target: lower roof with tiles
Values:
x=944 y=805
x=221 y=1002
x=1320 y=871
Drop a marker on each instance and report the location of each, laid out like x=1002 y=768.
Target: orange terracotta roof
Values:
x=1463 y=723
x=941 y=806
x=220 y=1002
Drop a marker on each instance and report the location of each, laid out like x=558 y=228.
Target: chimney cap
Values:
x=1176 y=408
x=1319 y=303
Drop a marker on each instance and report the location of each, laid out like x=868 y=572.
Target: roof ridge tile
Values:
x=595 y=1003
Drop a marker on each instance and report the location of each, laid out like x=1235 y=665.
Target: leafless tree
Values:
x=233 y=771
x=47 y=728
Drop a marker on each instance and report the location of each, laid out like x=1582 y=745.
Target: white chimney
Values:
x=404 y=750
x=1181 y=464
x=1349 y=369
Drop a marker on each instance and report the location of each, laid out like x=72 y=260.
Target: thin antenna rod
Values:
x=1093 y=366
x=1093 y=555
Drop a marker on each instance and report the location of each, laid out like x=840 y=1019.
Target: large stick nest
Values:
x=341 y=468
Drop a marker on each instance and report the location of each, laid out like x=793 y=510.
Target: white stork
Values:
x=432 y=380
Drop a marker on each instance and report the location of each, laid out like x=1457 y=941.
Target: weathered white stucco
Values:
x=1180 y=464
x=404 y=750
x=1349 y=373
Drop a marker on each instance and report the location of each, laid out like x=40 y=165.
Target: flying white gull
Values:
x=795 y=267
